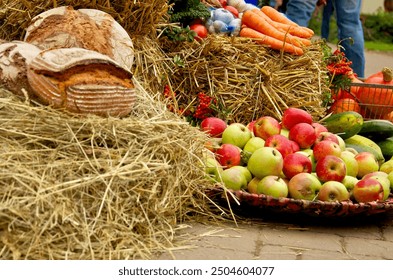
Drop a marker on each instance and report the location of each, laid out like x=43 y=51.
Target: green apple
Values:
x=212 y=168
x=304 y=186
x=367 y=163
x=350 y=163
x=381 y=177
x=390 y=177
x=284 y=132
x=352 y=150
x=236 y=134
x=265 y=161
x=341 y=142
x=333 y=191
x=349 y=182
x=234 y=179
x=272 y=185
x=252 y=185
x=251 y=146
x=387 y=166
x=245 y=172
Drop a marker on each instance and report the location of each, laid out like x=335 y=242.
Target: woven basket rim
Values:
x=313 y=208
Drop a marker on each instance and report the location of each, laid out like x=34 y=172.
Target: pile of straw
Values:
x=138 y=17
x=248 y=80
x=96 y=188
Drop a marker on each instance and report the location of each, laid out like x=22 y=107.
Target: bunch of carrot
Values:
x=271 y=28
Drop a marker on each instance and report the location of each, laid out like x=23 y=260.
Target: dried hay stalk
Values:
x=248 y=79
x=96 y=188
x=138 y=17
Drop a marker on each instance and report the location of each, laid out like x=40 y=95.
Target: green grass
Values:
x=378 y=46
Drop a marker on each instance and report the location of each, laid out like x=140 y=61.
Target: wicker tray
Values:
x=311 y=208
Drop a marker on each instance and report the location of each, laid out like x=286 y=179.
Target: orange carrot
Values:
x=273 y=43
x=294 y=30
x=258 y=23
x=276 y=16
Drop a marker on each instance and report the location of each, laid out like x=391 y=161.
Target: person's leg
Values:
x=300 y=11
x=326 y=15
x=350 y=26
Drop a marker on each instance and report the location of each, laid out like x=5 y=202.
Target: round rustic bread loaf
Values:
x=92 y=29
x=82 y=81
x=14 y=56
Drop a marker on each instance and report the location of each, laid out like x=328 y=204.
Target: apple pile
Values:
x=293 y=157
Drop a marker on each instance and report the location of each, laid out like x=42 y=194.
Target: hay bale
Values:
x=96 y=188
x=138 y=17
x=247 y=80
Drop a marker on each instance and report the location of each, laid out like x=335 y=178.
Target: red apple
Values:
x=303 y=134
x=282 y=144
x=295 y=146
x=250 y=125
x=292 y=116
x=228 y=155
x=333 y=191
x=367 y=163
x=266 y=126
x=367 y=190
x=324 y=148
x=296 y=163
x=326 y=135
x=213 y=126
x=330 y=168
x=319 y=128
x=381 y=177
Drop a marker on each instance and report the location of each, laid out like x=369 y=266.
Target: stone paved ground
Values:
x=287 y=237
x=276 y=236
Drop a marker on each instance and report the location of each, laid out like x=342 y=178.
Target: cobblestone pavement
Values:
x=276 y=236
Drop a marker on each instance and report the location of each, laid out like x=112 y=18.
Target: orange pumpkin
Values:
x=345 y=105
x=378 y=100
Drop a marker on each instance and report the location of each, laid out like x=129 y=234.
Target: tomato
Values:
x=200 y=30
x=233 y=10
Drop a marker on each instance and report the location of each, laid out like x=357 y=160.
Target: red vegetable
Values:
x=200 y=30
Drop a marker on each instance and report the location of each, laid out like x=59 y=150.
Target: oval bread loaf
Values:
x=64 y=27
x=82 y=81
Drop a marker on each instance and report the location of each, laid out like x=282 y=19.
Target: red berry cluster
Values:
x=168 y=93
x=204 y=109
x=339 y=64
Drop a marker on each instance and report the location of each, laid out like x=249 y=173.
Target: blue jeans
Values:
x=326 y=15
x=348 y=23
